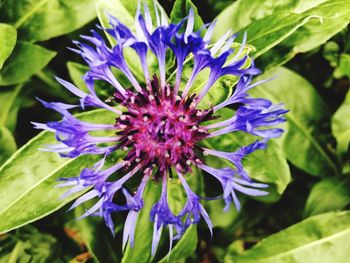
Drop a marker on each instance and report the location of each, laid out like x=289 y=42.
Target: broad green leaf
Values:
x=38 y=20
x=8 y=36
x=242 y=13
x=31 y=174
x=7 y=144
x=180 y=11
x=303 y=140
x=321 y=239
x=343 y=69
x=267 y=166
x=334 y=17
x=125 y=11
x=141 y=252
x=341 y=125
x=26 y=60
x=95 y=235
x=278 y=29
x=266 y=32
x=330 y=194
x=284 y=28
x=9 y=106
x=185 y=247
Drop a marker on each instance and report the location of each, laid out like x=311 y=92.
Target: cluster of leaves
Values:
x=308 y=168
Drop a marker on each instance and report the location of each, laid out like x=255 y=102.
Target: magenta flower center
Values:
x=160 y=128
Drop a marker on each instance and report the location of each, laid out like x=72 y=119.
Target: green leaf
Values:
x=334 y=16
x=141 y=252
x=330 y=194
x=341 y=125
x=276 y=26
x=9 y=106
x=181 y=9
x=31 y=174
x=26 y=60
x=242 y=13
x=343 y=69
x=267 y=166
x=323 y=238
x=8 y=35
x=303 y=141
x=281 y=29
x=44 y=19
x=7 y=144
x=185 y=247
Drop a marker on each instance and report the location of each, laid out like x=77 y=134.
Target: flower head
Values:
x=160 y=125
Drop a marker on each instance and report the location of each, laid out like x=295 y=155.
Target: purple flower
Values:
x=160 y=128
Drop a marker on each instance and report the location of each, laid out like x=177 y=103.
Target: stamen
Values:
x=152 y=130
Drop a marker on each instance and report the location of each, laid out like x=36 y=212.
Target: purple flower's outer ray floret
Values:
x=240 y=95
x=231 y=183
x=189 y=27
x=253 y=121
x=222 y=40
x=162 y=216
x=236 y=157
x=193 y=210
x=135 y=204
